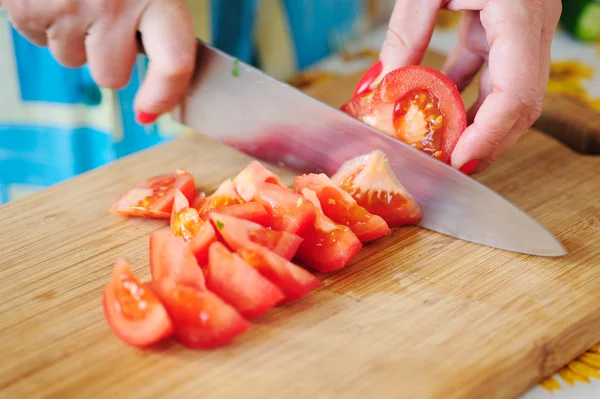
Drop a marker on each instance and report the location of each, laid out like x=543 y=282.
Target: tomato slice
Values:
x=370 y=180
x=201 y=319
x=133 y=311
x=171 y=258
x=417 y=105
x=340 y=207
x=199 y=200
x=154 y=198
x=238 y=232
x=224 y=195
x=239 y=284
x=294 y=281
x=200 y=243
x=185 y=221
x=252 y=211
x=253 y=176
x=327 y=246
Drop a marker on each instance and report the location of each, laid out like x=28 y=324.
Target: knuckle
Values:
x=398 y=40
x=530 y=105
x=66 y=7
x=20 y=14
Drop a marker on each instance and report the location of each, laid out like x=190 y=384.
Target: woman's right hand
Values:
x=103 y=34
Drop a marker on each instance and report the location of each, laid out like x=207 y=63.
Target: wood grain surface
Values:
x=416 y=315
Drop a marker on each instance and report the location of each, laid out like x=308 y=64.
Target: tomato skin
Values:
x=251 y=211
x=294 y=281
x=132 y=309
x=224 y=195
x=200 y=318
x=239 y=284
x=171 y=258
x=327 y=246
x=200 y=243
x=237 y=233
x=376 y=107
x=154 y=198
x=252 y=176
x=340 y=207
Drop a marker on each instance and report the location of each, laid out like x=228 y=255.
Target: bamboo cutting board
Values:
x=416 y=315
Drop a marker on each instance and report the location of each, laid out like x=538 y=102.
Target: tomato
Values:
x=200 y=243
x=417 y=105
x=341 y=208
x=199 y=200
x=252 y=211
x=294 y=281
x=253 y=176
x=154 y=198
x=200 y=318
x=185 y=221
x=238 y=232
x=327 y=246
x=370 y=180
x=239 y=284
x=133 y=311
x=171 y=258
x=224 y=195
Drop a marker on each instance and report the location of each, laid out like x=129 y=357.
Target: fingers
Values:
x=409 y=32
x=30 y=20
x=66 y=42
x=169 y=41
x=515 y=99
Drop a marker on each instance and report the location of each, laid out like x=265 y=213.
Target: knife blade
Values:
x=237 y=104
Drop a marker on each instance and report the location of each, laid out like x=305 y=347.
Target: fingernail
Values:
x=469 y=167
x=145 y=118
x=365 y=81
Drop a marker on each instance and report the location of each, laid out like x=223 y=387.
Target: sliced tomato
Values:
x=340 y=207
x=253 y=176
x=199 y=200
x=185 y=221
x=417 y=105
x=132 y=309
x=154 y=198
x=294 y=281
x=200 y=243
x=224 y=195
x=201 y=319
x=171 y=258
x=238 y=283
x=252 y=211
x=327 y=246
x=370 y=180
x=238 y=232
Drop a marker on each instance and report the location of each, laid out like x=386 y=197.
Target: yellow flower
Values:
x=581 y=369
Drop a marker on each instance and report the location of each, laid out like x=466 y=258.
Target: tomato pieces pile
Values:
x=232 y=256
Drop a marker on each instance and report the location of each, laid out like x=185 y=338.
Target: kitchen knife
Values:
x=237 y=104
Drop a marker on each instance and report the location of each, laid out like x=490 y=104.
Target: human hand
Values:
x=510 y=39
x=103 y=33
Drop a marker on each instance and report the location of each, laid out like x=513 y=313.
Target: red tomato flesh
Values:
x=201 y=319
x=238 y=283
x=327 y=246
x=171 y=258
x=252 y=211
x=253 y=176
x=200 y=243
x=185 y=221
x=417 y=105
x=224 y=195
x=370 y=180
x=238 y=232
x=154 y=198
x=294 y=281
x=340 y=207
x=132 y=309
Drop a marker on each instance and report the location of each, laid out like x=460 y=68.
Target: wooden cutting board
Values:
x=416 y=315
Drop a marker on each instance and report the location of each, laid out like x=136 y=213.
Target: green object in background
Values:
x=581 y=18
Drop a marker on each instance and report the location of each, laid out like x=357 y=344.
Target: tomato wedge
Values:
x=201 y=319
x=133 y=311
x=370 y=180
x=238 y=232
x=341 y=208
x=327 y=246
x=252 y=211
x=185 y=221
x=294 y=281
x=199 y=200
x=253 y=176
x=417 y=105
x=224 y=195
x=239 y=284
x=171 y=258
x=200 y=243
x=154 y=198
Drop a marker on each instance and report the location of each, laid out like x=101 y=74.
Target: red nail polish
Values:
x=469 y=167
x=145 y=118
x=365 y=82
